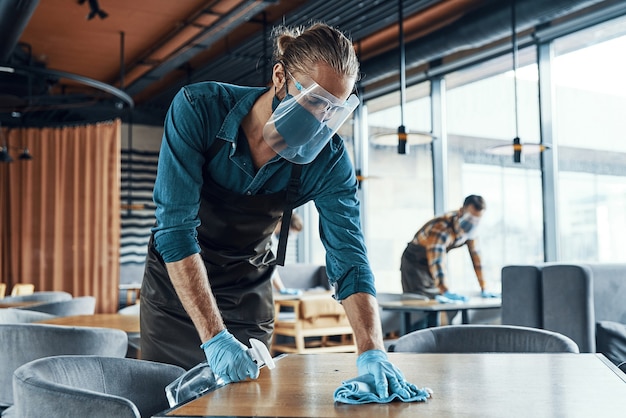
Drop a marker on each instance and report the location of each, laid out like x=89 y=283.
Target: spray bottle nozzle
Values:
x=260 y=354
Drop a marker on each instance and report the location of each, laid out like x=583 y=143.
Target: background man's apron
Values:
x=235 y=238
x=416 y=276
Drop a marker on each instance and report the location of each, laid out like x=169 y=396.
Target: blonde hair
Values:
x=300 y=48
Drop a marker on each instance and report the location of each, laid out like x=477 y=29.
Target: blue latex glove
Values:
x=229 y=359
x=388 y=379
x=455 y=297
x=486 y=294
x=294 y=292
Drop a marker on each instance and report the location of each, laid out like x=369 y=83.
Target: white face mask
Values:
x=469 y=224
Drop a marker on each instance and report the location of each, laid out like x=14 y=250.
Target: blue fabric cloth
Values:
x=202 y=112
x=362 y=389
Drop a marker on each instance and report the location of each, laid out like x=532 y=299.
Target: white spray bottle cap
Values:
x=260 y=354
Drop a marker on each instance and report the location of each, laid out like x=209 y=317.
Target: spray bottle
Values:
x=201 y=379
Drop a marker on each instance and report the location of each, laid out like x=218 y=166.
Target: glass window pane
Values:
x=400 y=187
x=480 y=115
x=590 y=107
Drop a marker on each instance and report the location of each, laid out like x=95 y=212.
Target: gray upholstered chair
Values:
x=484 y=339
x=622 y=366
x=83 y=305
x=134 y=339
x=42 y=296
x=92 y=386
x=20 y=316
x=22 y=343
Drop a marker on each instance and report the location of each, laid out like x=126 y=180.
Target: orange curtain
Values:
x=60 y=211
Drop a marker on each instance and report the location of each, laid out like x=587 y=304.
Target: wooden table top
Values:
x=18 y=304
x=434 y=306
x=469 y=385
x=128 y=323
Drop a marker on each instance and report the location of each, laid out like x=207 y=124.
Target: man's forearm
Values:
x=190 y=280
x=362 y=311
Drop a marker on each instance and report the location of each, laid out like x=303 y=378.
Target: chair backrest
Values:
x=82 y=305
x=3 y=290
x=22 y=289
x=522 y=296
x=303 y=276
x=568 y=303
x=622 y=366
x=22 y=343
x=20 y=316
x=484 y=339
x=130 y=310
x=92 y=386
x=42 y=296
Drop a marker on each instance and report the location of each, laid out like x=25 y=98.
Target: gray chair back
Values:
x=92 y=386
x=22 y=343
x=82 y=305
x=521 y=296
x=484 y=339
x=20 y=316
x=43 y=296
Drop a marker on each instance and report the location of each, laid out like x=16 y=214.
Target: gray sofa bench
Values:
x=586 y=302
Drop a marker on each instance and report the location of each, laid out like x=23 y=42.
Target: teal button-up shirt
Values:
x=204 y=111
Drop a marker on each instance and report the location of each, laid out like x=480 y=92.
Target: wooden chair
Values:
x=3 y=290
x=23 y=289
x=312 y=320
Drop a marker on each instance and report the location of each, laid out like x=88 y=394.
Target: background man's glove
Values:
x=228 y=358
x=387 y=377
x=456 y=297
x=486 y=294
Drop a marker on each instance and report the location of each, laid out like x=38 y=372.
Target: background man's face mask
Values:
x=302 y=125
x=469 y=224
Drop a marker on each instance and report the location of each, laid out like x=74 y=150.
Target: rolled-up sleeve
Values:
x=179 y=180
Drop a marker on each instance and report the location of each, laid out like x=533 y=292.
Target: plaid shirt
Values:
x=439 y=236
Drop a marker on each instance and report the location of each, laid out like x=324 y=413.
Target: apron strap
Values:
x=293 y=189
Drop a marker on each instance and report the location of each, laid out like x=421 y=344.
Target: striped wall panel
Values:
x=138 y=175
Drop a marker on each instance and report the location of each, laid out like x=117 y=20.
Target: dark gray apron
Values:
x=235 y=240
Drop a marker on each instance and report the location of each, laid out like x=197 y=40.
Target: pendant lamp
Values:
x=402 y=137
x=517 y=148
x=5 y=157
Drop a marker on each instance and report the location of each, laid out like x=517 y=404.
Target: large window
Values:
x=481 y=114
x=400 y=187
x=590 y=106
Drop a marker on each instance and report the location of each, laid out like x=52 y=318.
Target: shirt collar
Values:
x=230 y=126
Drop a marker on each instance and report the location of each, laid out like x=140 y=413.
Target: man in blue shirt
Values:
x=233 y=160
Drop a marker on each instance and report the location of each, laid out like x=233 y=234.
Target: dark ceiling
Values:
x=59 y=67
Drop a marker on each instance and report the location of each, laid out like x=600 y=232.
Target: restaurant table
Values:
x=128 y=323
x=469 y=385
x=4 y=305
x=434 y=308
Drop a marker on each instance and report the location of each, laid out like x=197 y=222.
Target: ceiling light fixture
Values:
x=402 y=138
x=94 y=10
x=517 y=147
x=5 y=157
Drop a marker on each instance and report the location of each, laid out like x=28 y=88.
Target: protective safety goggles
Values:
x=324 y=105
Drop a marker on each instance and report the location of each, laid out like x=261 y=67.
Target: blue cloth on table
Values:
x=362 y=389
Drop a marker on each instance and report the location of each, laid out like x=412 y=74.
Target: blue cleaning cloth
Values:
x=362 y=389
x=449 y=297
